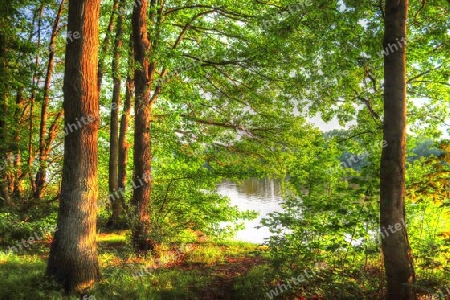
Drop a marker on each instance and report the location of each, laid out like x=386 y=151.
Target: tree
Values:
x=124 y=124
x=73 y=259
x=142 y=147
x=4 y=104
x=197 y=61
x=106 y=43
x=397 y=255
x=114 y=123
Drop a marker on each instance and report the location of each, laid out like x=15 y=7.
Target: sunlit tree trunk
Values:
x=142 y=144
x=73 y=259
x=397 y=256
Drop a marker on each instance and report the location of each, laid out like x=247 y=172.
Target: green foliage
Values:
x=22 y=278
x=244 y=287
x=184 y=190
x=240 y=85
x=331 y=216
x=13 y=229
x=428 y=212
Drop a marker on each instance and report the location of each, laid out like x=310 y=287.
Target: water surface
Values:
x=260 y=195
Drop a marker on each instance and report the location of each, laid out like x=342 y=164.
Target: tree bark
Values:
x=397 y=255
x=73 y=260
x=142 y=143
x=116 y=205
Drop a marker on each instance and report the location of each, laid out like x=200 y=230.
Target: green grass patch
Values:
x=172 y=271
x=116 y=237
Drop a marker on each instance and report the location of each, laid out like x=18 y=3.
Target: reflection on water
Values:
x=260 y=195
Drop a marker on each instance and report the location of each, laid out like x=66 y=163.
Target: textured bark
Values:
x=44 y=147
x=398 y=260
x=116 y=204
x=73 y=260
x=142 y=144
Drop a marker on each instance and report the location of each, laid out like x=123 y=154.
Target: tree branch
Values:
x=372 y=112
x=421 y=74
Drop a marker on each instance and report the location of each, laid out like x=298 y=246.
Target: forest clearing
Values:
x=221 y=149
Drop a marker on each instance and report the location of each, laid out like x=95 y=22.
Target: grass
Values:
x=112 y=238
x=190 y=270
x=22 y=278
x=173 y=271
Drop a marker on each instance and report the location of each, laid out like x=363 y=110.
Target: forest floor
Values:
x=224 y=277
x=220 y=268
x=196 y=269
x=192 y=270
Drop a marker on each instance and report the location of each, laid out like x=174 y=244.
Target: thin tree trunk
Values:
x=5 y=192
x=4 y=113
x=35 y=82
x=41 y=176
x=104 y=50
x=114 y=124
x=17 y=178
x=124 y=124
x=3 y=149
x=397 y=255
x=142 y=143
x=17 y=187
x=73 y=259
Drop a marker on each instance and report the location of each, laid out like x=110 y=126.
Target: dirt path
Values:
x=224 y=276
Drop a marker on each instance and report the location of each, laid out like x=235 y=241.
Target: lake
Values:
x=260 y=195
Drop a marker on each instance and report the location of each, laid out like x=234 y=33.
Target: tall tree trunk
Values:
x=35 y=83
x=124 y=123
x=398 y=260
x=142 y=144
x=3 y=116
x=73 y=260
x=114 y=124
x=41 y=176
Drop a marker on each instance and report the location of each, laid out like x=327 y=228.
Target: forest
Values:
x=224 y=149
